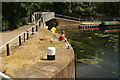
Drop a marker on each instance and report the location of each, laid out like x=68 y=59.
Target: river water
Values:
x=106 y=65
x=104 y=52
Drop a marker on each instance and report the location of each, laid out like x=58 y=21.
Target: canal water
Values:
x=105 y=60
x=97 y=52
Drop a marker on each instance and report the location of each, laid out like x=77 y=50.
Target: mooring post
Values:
x=32 y=30
x=27 y=35
x=20 y=41
x=8 y=51
x=36 y=28
x=24 y=37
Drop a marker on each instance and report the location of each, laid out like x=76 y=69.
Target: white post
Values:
x=51 y=53
x=2 y=75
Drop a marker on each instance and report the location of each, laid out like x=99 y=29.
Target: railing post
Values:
x=24 y=37
x=35 y=17
x=43 y=25
x=39 y=23
x=75 y=60
x=39 y=16
x=32 y=30
x=36 y=28
x=30 y=17
x=27 y=35
x=20 y=41
x=4 y=77
x=8 y=51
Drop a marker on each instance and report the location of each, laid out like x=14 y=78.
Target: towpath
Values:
x=8 y=35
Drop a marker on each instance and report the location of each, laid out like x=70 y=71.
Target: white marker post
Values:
x=51 y=53
x=3 y=76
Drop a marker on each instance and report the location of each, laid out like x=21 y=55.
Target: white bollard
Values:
x=68 y=46
x=51 y=53
x=51 y=39
x=3 y=76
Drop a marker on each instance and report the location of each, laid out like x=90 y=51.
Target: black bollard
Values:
x=8 y=51
x=20 y=41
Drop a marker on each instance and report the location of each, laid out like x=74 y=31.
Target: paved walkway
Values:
x=48 y=68
x=68 y=22
x=8 y=35
x=30 y=60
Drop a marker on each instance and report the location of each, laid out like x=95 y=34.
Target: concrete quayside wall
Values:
x=62 y=67
x=25 y=61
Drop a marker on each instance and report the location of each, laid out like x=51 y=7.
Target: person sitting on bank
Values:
x=53 y=30
x=33 y=18
x=62 y=37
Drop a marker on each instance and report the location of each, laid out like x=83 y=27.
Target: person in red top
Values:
x=62 y=37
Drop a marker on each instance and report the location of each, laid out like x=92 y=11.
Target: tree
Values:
x=11 y=17
x=108 y=8
x=17 y=10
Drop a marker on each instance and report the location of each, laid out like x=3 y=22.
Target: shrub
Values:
x=4 y=25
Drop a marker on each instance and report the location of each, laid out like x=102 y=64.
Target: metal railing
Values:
x=4 y=77
x=21 y=37
x=41 y=17
x=48 y=16
x=68 y=17
x=37 y=15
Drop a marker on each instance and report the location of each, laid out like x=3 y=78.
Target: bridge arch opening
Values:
x=52 y=23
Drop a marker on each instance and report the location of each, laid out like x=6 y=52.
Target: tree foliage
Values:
x=13 y=12
x=108 y=8
x=12 y=17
